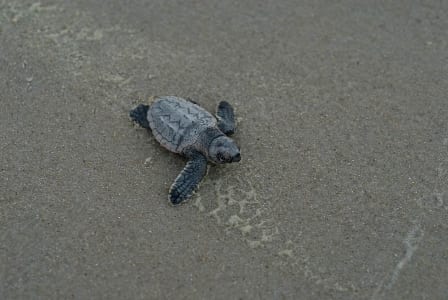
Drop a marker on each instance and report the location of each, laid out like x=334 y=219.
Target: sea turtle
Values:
x=183 y=127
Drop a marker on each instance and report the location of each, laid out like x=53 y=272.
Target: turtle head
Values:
x=223 y=150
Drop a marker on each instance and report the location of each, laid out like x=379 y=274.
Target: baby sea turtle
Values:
x=183 y=127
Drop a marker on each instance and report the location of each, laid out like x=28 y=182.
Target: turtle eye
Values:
x=220 y=157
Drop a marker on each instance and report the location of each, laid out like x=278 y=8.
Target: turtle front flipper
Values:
x=226 y=118
x=189 y=99
x=188 y=179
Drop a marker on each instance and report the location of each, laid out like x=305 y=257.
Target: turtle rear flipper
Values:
x=188 y=179
x=226 y=118
x=140 y=115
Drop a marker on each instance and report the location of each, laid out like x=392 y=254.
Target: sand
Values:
x=342 y=191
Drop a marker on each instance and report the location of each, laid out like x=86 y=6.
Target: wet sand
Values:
x=342 y=192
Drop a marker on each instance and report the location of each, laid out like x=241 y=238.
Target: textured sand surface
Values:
x=342 y=192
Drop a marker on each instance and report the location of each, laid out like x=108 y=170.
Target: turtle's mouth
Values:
x=222 y=158
x=236 y=158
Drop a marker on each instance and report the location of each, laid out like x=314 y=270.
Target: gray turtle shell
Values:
x=177 y=123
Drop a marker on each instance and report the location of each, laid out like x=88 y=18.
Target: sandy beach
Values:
x=342 y=190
